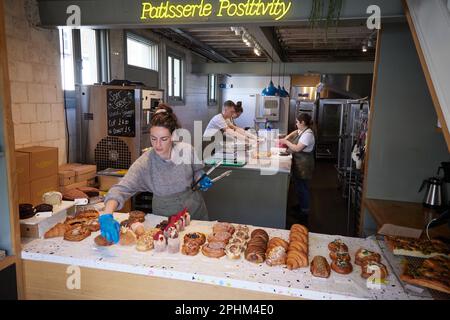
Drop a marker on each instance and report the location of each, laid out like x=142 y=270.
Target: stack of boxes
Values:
x=76 y=175
x=37 y=173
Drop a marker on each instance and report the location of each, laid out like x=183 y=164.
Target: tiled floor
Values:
x=328 y=208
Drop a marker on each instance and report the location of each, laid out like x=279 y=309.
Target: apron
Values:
x=302 y=162
x=169 y=205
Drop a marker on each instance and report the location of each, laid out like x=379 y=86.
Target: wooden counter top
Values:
x=406 y=214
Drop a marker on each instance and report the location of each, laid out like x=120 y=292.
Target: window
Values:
x=66 y=46
x=175 y=78
x=212 y=90
x=142 y=53
x=89 y=70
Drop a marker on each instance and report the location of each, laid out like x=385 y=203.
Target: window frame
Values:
x=176 y=100
x=150 y=43
x=213 y=102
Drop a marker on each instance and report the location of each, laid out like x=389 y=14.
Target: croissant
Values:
x=297 y=236
x=299 y=228
x=296 y=260
x=57 y=231
x=276 y=256
x=298 y=246
x=278 y=242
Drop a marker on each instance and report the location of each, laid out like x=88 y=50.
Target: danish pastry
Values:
x=101 y=241
x=137 y=228
x=233 y=251
x=190 y=248
x=220 y=236
x=341 y=266
x=57 y=231
x=223 y=227
x=127 y=237
x=375 y=268
x=338 y=255
x=213 y=250
x=364 y=255
x=77 y=233
x=196 y=237
x=276 y=255
x=145 y=242
x=88 y=214
x=137 y=215
x=93 y=225
x=337 y=245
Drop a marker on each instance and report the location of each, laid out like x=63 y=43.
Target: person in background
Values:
x=164 y=171
x=219 y=122
x=231 y=122
x=301 y=144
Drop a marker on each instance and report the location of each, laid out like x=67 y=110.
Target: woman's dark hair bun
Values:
x=165 y=117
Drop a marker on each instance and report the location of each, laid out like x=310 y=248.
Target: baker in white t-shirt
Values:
x=301 y=144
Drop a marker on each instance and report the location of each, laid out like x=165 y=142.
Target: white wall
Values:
x=244 y=89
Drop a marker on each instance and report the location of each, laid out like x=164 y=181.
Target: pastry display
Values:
x=320 y=267
x=214 y=249
x=43 y=207
x=73 y=221
x=89 y=191
x=159 y=241
x=190 y=248
x=337 y=245
x=53 y=198
x=77 y=233
x=221 y=236
x=57 y=231
x=137 y=216
x=137 y=228
x=73 y=194
x=276 y=251
x=101 y=241
x=145 y=242
x=364 y=255
x=93 y=225
x=434 y=273
x=257 y=246
x=340 y=255
x=196 y=237
x=26 y=211
x=297 y=253
x=127 y=237
x=374 y=268
x=420 y=248
x=89 y=214
x=342 y=266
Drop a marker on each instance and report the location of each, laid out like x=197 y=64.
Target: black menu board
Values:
x=121 y=112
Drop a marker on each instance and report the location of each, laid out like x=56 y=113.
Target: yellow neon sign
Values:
x=276 y=9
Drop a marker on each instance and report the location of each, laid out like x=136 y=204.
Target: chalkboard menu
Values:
x=121 y=112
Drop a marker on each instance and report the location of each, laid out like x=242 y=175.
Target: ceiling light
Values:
x=257 y=52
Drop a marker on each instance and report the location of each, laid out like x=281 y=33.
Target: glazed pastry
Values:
x=364 y=255
x=372 y=267
x=298 y=228
x=74 y=222
x=53 y=198
x=127 y=237
x=197 y=237
x=278 y=242
x=257 y=246
x=340 y=256
x=190 y=248
x=159 y=242
x=220 y=236
x=89 y=214
x=73 y=194
x=26 y=211
x=260 y=233
x=137 y=215
x=233 y=251
x=298 y=246
x=57 y=231
x=341 y=266
x=337 y=245
x=102 y=242
x=145 y=242
x=320 y=267
x=137 y=228
x=275 y=256
x=214 y=250
x=223 y=227
x=89 y=191
x=77 y=233
x=298 y=236
x=93 y=225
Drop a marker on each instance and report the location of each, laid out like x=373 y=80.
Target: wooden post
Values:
x=8 y=133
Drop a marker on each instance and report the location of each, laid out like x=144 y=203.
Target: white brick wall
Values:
x=35 y=76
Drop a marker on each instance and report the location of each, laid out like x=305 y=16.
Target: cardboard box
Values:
x=41 y=186
x=66 y=177
x=43 y=162
x=36 y=227
x=24 y=193
x=85 y=172
x=106 y=182
x=63 y=189
x=23 y=168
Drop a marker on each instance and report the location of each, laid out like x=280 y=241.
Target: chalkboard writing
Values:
x=121 y=113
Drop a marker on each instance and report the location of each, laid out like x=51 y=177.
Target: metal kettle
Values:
x=433 y=194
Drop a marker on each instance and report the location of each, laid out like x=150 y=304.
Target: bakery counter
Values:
x=57 y=269
x=255 y=194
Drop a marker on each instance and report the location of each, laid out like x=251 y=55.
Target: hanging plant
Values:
x=319 y=19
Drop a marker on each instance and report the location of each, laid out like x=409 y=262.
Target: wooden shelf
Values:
x=406 y=214
x=5 y=263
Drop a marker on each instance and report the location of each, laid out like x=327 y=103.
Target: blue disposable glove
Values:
x=205 y=183
x=109 y=228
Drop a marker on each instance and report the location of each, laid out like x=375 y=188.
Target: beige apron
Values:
x=169 y=205
x=302 y=162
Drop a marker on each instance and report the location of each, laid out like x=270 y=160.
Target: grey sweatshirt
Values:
x=150 y=173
